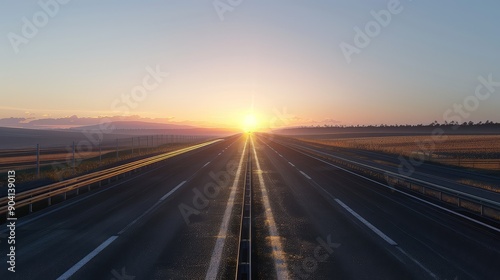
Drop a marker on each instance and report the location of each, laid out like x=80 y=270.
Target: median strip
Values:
x=278 y=253
x=216 y=257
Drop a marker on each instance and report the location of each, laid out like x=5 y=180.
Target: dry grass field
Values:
x=472 y=151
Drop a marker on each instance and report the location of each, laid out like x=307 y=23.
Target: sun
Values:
x=250 y=123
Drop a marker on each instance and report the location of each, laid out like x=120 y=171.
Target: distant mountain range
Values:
x=148 y=128
x=133 y=125
x=15 y=138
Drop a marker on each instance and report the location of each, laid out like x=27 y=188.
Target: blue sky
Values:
x=263 y=57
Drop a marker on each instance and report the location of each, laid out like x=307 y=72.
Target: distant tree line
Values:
x=432 y=124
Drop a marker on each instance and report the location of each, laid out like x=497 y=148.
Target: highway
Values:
x=180 y=219
x=435 y=173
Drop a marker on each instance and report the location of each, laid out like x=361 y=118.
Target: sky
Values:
x=215 y=63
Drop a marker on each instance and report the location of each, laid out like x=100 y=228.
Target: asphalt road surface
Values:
x=310 y=220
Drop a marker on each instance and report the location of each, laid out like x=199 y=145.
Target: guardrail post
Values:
x=30 y=208
x=65 y=195
x=38 y=161
x=100 y=153
x=482 y=209
x=458 y=198
x=49 y=200
x=74 y=165
x=77 y=191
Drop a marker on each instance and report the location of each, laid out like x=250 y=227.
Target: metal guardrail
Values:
x=460 y=198
x=27 y=198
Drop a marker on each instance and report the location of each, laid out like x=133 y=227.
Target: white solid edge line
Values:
x=86 y=259
x=279 y=256
x=29 y=220
x=410 y=195
x=78 y=200
x=305 y=175
x=172 y=191
x=368 y=224
x=396 y=246
x=215 y=259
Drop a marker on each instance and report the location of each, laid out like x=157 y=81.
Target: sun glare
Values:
x=249 y=123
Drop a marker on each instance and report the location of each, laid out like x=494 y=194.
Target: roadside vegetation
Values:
x=470 y=151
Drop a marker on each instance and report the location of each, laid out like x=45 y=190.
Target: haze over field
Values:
x=256 y=64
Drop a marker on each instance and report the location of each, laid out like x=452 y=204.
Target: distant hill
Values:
x=147 y=128
x=19 y=138
x=133 y=125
